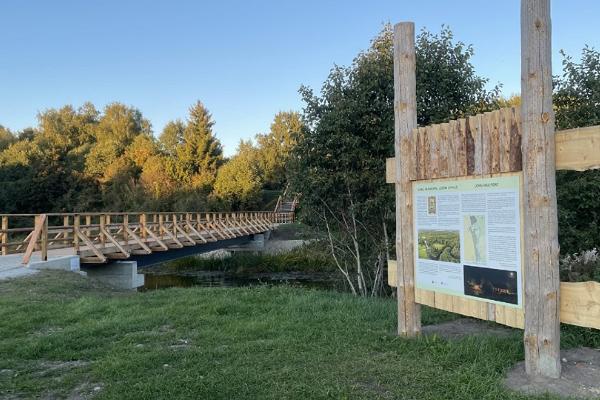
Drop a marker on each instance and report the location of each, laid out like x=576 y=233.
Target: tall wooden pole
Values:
x=405 y=116
x=542 y=323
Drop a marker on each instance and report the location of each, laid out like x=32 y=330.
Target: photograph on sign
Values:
x=468 y=237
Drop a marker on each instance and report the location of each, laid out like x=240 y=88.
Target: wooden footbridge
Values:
x=98 y=238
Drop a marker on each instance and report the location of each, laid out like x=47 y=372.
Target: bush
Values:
x=580 y=267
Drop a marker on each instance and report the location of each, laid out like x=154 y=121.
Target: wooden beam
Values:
x=139 y=241
x=405 y=121
x=161 y=245
x=541 y=274
x=578 y=149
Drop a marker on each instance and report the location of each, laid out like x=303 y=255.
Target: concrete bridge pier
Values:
x=118 y=274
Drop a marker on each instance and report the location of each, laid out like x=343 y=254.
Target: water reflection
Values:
x=153 y=280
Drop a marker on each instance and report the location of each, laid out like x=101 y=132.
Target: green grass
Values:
x=62 y=334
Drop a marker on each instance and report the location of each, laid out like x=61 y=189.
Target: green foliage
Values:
x=339 y=164
x=447 y=84
x=274 y=148
x=199 y=155
x=6 y=138
x=240 y=180
x=172 y=137
x=576 y=98
x=259 y=167
x=83 y=159
x=577 y=91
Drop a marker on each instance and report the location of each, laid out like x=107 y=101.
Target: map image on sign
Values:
x=475 y=238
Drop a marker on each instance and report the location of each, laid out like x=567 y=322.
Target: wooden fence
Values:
x=98 y=237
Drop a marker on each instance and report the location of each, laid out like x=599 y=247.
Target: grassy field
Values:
x=64 y=335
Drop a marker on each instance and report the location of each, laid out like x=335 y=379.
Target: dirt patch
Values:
x=85 y=391
x=462 y=327
x=579 y=378
x=46 y=368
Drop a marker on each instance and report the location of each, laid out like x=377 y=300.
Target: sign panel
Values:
x=468 y=237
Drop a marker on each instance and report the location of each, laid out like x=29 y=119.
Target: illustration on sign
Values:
x=468 y=238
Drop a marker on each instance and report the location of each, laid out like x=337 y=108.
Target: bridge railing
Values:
x=98 y=237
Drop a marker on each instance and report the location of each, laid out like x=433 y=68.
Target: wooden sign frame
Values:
x=508 y=140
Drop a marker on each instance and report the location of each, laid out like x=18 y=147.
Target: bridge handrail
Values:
x=22 y=233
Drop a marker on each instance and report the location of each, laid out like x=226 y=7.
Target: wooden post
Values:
x=405 y=117
x=44 y=238
x=76 y=233
x=125 y=234
x=65 y=234
x=542 y=323
x=102 y=228
x=161 y=229
x=4 y=235
x=143 y=227
x=88 y=222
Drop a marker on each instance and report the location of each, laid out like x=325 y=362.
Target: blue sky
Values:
x=245 y=59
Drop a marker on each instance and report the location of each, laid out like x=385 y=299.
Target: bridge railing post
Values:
x=102 y=222
x=44 y=238
x=125 y=234
x=143 y=233
x=161 y=227
x=4 y=235
x=76 y=223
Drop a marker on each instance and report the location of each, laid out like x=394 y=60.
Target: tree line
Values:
x=83 y=159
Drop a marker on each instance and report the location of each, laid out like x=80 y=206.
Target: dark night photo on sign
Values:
x=492 y=284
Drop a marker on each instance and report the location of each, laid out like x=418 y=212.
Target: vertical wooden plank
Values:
x=76 y=234
x=65 y=234
x=542 y=326
x=405 y=120
x=516 y=158
x=445 y=150
x=143 y=233
x=434 y=135
x=504 y=128
x=493 y=122
x=88 y=222
x=4 y=235
x=423 y=150
x=460 y=138
x=486 y=145
x=125 y=234
x=476 y=135
x=44 y=238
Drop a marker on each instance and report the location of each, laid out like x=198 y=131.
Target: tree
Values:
x=576 y=99
x=447 y=85
x=200 y=154
x=116 y=130
x=172 y=137
x=339 y=164
x=275 y=147
x=240 y=180
x=6 y=138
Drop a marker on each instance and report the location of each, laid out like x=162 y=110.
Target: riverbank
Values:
x=63 y=335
